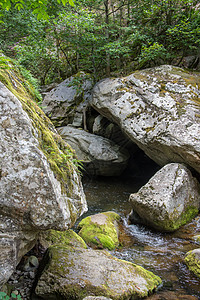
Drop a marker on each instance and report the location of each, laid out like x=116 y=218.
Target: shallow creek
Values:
x=160 y=253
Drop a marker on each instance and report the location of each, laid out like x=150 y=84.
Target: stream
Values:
x=160 y=253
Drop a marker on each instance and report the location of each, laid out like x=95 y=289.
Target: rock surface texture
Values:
x=101 y=230
x=169 y=200
x=65 y=103
x=74 y=273
x=99 y=155
x=37 y=191
x=158 y=109
x=192 y=260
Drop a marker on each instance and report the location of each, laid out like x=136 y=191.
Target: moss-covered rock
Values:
x=66 y=238
x=100 y=230
x=40 y=186
x=192 y=260
x=169 y=199
x=76 y=273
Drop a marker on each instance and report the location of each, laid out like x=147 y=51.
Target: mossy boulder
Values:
x=65 y=238
x=158 y=109
x=100 y=230
x=76 y=273
x=40 y=184
x=169 y=200
x=192 y=260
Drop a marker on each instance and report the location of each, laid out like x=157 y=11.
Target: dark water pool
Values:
x=160 y=253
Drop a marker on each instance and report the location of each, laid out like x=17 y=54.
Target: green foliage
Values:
x=4 y=296
x=38 y=7
x=152 y=53
x=32 y=82
x=55 y=41
x=4 y=62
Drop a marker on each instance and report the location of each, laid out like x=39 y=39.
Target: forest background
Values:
x=55 y=39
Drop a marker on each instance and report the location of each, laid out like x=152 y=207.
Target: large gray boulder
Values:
x=40 y=187
x=74 y=273
x=65 y=104
x=99 y=155
x=158 y=109
x=170 y=199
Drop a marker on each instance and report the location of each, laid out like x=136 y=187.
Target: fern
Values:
x=4 y=62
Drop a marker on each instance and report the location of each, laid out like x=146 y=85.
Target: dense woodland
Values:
x=55 y=39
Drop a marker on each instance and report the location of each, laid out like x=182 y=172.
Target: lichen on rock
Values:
x=65 y=103
x=76 y=273
x=169 y=200
x=158 y=109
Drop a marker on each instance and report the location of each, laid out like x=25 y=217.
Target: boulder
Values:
x=99 y=155
x=100 y=230
x=158 y=109
x=192 y=260
x=103 y=127
x=169 y=200
x=65 y=238
x=75 y=273
x=65 y=104
x=40 y=187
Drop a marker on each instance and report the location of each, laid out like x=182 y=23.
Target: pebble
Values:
x=23 y=278
x=32 y=275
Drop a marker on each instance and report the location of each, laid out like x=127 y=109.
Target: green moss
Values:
x=67 y=275
x=66 y=238
x=173 y=224
x=61 y=157
x=100 y=235
x=193 y=262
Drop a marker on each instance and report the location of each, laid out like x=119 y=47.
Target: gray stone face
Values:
x=66 y=102
x=158 y=109
x=77 y=273
x=31 y=197
x=169 y=200
x=99 y=155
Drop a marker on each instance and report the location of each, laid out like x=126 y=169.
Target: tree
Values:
x=38 y=7
x=102 y=37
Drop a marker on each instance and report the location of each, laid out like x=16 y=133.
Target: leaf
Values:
x=6 y=5
x=71 y=2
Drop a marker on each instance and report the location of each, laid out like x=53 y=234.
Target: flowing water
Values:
x=162 y=254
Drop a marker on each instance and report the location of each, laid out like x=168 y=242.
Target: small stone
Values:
x=15 y=292
x=32 y=275
x=15 y=281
